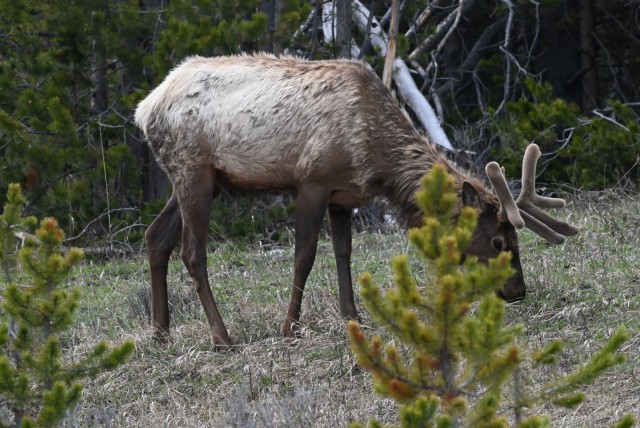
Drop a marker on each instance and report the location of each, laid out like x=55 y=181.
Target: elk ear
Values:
x=470 y=196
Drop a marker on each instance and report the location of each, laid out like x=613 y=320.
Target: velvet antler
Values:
x=527 y=209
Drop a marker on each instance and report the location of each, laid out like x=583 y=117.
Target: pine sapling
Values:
x=36 y=386
x=460 y=354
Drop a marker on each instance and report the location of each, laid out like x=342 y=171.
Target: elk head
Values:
x=492 y=237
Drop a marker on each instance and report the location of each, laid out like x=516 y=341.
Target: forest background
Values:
x=498 y=73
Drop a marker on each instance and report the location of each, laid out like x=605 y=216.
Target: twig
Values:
x=106 y=181
x=609 y=119
x=534 y=42
x=473 y=58
x=97 y=219
x=442 y=30
x=431 y=73
x=517 y=389
x=422 y=19
x=505 y=49
x=614 y=75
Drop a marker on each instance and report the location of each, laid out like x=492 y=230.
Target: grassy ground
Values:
x=578 y=292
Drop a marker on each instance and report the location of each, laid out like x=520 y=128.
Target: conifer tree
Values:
x=461 y=353
x=71 y=74
x=37 y=386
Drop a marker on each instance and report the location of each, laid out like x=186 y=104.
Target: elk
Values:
x=330 y=133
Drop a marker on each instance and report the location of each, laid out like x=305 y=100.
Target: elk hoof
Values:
x=291 y=331
x=511 y=298
x=355 y=318
x=350 y=313
x=161 y=336
x=223 y=347
x=221 y=341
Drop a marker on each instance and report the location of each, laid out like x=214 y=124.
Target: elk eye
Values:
x=498 y=244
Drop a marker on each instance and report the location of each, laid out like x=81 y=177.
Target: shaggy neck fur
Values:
x=406 y=182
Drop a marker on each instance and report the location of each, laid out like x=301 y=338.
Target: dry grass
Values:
x=578 y=292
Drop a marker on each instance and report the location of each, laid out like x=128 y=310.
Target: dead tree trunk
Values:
x=391 y=45
x=343 y=28
x=588 y=55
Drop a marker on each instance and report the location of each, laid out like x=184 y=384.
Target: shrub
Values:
x=37 y=386
x=591 y=152
x=461 y=355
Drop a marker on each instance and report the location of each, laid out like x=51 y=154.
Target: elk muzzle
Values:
x=514 y=289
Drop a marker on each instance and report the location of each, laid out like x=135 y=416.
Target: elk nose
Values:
x=515 y=288
x=498 y=244
x=512 y=297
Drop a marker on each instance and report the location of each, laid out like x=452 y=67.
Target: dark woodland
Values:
x=499 y=75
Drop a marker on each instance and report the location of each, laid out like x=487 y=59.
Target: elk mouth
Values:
x=515 y=289
x=516 y=297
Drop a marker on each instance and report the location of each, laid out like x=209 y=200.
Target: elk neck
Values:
x=408 y=164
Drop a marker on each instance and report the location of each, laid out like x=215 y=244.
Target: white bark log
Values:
x=422 y=109
x=360 y=15
x=407 y=89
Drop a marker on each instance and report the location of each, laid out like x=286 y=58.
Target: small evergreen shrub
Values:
x=37 y=385
x=593 y=152
x=460 y=355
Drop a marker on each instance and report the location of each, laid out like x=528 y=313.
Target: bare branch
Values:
x=473 y=58
x=422 y=109
x=404 y=82
x=614 y=74
x=505 y=48
x=443 y=29
x=361 y=15
x=97 y=219
x=422 y=19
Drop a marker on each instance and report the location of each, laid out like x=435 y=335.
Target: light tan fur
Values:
x=268 y=123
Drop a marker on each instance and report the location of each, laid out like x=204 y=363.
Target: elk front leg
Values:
x=161 y=237
x=195 y=203
x=340 y=221
x=310 y=209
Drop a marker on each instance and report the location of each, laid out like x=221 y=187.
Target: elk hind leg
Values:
x=340 y=221
x=161 y=238
x=310 y=209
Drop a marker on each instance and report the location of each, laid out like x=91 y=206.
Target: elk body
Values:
x=327 y=131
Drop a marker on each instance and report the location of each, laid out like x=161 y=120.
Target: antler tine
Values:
x=528 y=192
x=507 y=203
x=540 y=227
x=529 y=202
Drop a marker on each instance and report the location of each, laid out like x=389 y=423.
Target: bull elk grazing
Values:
x=328 y=131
